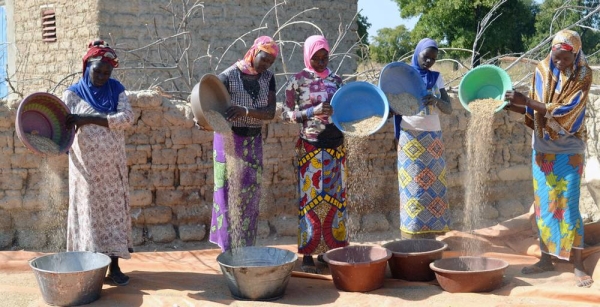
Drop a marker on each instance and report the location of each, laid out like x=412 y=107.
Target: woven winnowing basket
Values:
x=43 y=115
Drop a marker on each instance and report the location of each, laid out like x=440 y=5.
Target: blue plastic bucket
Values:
x=356 y=101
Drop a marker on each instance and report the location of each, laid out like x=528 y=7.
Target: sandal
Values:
x=322 y=260
x=119 y=278
x=312 y=269
x=585 y=281
x=537 y=268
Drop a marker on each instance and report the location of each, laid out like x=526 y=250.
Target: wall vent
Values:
x=48 y=25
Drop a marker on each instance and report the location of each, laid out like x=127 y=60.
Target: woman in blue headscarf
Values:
x=98 y=218
x=424 y=210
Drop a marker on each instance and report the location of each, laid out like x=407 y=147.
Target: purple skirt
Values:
x=237 y=175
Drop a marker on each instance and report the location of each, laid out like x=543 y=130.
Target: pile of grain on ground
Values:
x=479 y=141
x=403 y=103
x=217 y=121
x=363 y=126
x=43 y=144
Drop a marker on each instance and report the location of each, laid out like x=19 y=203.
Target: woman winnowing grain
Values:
x=424 y=210
x=555 y=110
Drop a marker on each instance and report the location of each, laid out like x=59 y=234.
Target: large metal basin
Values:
x=257 y=273
x=469 y=274
x=70 y=278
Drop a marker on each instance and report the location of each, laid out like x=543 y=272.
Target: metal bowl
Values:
x=70 y=278
x=257 y=273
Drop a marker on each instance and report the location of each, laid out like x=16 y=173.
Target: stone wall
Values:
x=171 y=178
x=156 y=42
x=34 y=65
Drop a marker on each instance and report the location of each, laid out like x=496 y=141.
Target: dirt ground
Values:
x=192 y=277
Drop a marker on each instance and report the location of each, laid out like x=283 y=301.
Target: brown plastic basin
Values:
x=358 y=268
x=411 y=258
x=469 y=274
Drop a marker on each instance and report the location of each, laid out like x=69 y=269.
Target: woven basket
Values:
x=44 y=115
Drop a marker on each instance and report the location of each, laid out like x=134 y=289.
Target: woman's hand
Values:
x=73 y=121
x=516 y=98
x=323 y=108
x=430 y=100
x=236 y=112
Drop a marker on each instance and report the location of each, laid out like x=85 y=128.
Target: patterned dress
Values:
x=558 y=147
x=422 y=172
x=99 y=219
x=321 y=160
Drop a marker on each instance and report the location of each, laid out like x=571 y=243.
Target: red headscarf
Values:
x=263 y=43
x=98 y=50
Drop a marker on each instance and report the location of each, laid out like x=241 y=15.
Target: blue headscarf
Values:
x=103 y=99
x=428 y=76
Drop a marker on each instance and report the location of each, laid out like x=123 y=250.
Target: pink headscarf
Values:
x=311 y=46
x=262 y=43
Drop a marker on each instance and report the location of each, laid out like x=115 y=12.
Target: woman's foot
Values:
x=321 y=259
x=115 y=274
x=119 y=278
x=539 y=267
x=308 y=265
x=582 y=279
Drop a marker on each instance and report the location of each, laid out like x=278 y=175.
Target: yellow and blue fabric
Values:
x=322 y=210
x=565 y=93
x=556 y=186
x=422 y=178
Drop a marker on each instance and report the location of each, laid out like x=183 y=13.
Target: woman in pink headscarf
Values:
x=252 y=89
x=321 y=155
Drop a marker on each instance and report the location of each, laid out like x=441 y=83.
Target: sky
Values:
x=383 y=14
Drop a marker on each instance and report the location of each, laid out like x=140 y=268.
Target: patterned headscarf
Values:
x=262 y=43
x=98 y=50
x=103 y=99
x=564 y=93
x=311 y=46
x=428 y=76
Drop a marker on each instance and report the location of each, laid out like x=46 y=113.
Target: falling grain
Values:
x=479 y=141
x=403 y=103
x=43 y=144
x=217 y=121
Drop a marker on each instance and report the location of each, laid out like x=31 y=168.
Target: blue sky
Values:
x=383 y=14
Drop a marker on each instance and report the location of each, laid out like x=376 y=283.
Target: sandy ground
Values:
x=190 y=276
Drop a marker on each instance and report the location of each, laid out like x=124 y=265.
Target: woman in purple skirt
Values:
x=237 y=155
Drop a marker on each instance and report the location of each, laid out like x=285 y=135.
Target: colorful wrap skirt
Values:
x=422 y=181
x=238 y=172
x=322 y=209
x=556 y=187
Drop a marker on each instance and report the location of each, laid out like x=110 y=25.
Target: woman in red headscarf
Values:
x=238 y=153
x=555 y=110
x=321 y=155
x=98 y=219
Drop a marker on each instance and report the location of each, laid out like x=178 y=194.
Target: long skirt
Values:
x=322 y=209
x=422 y=181
x=238 y=172
x=556 y=186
